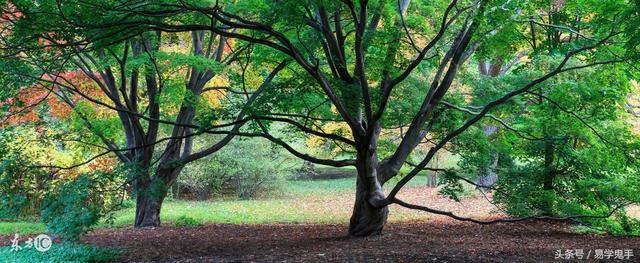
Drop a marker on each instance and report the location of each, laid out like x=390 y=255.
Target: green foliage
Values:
x=22 y=185
x=197 y=62
x=187 y=221
x=452 y=186
x=572 y=153
x=521 y=193
x=567 y=149
x=77 y=205
x=244 y=169
x=65 y=252
x=13 y=75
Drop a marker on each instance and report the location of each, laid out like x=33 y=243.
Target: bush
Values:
x=306 y=171
x=185 y=220
x=247 y=168
x=520 y=194
x=76 y=205
x=69 y=201
x=22 y=186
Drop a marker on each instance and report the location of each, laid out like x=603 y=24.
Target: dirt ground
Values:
x=434 y=241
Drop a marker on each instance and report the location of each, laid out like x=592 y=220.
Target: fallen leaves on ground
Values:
x=437 y=240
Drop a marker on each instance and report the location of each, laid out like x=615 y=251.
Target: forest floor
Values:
x=436 y=240
x=309 y=224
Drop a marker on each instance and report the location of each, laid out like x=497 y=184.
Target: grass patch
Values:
x=21 y=228
x=310 y=187
x=59 y=252
x=317 y=201
x=231 y=212
x=185 y=220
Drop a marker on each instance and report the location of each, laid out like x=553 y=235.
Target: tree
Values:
x=139 y=79
x=555 y=122
x=355 y=56
x=573 y=130
x=358 y=60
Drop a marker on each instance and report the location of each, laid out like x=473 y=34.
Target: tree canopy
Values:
x=533 y=94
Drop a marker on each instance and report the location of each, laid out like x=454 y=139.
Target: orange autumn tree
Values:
x=36 y=141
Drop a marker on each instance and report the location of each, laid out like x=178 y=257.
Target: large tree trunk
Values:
x=148 y=210
x=367 y=220
x=151 y=194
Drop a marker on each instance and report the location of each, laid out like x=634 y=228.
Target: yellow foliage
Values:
x=213 y=97
x=323 y=146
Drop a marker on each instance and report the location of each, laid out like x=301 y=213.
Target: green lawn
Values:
x=317 y=201
x=21 y=228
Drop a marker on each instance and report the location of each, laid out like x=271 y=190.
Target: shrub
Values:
x=520 y=193
x=306 y=171
x=22 y=186
x=73 y=207
x=247 y=168
x=185 y=220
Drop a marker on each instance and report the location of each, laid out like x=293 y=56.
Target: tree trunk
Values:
x=432 y=178
x=152 y=191
x=489 y=176
x=148 y=210
x=150 y=195
x=548 y=176
x=367 y=220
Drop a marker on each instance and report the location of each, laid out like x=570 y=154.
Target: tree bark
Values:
x=366 y=219
x=489 y=175
x=148 y=210
x=548 y=176
x=150 y=195
x=432 y=179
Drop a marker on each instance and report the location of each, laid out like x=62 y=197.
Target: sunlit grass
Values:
x=317 y=201
x=634 y=211
x=21 y=228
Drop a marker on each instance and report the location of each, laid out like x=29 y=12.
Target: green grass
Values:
x=337 y=185
x=21 y=228
x=59 y=252
x=306 y=187
x=300 y=201
x=230 y=212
